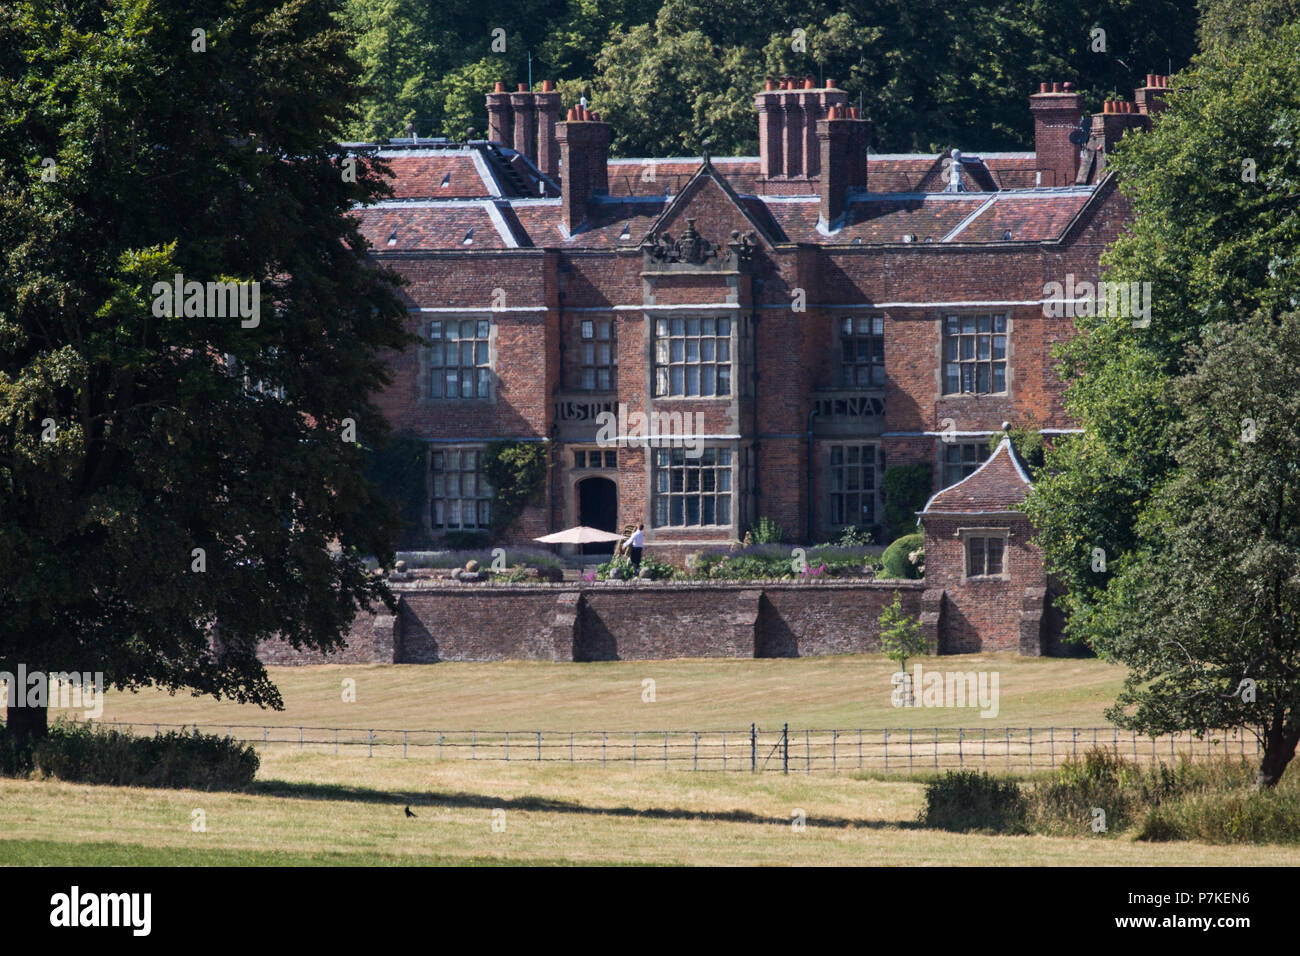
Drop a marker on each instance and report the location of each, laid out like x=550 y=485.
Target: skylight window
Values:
x=469 y=237
x=446 y=181
x=392 y=238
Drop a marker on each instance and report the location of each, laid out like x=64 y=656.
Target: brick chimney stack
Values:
x=1150 y=99
x=548 y=112
x=1057 y=110
x=525 y=118
x=500 y=125
x=789 y=111
x=842 y=147
x=584 y=163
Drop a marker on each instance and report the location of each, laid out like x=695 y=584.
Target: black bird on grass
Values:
x=409 y=813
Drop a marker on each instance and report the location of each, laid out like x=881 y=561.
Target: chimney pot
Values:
x=1056 y=87
x=1068 y=87
x=830 y=84
x=1044 y=87
x=523 y=87
x=809 y=83
x=500 y=87
x=769 y=84
x=548 y=86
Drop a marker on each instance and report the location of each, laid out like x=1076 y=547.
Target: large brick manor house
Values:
x=803 y=319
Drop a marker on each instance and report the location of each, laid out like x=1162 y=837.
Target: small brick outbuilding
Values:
x=986 y=587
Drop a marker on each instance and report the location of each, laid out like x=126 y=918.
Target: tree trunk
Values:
x=26 y=724
x=1279 y=748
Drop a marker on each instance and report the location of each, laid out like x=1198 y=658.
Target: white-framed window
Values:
x=692 y=357
x=459 y=358
x=461 y=497
x=852 y=485
x=691 y=492
x=975 y=354
x=862 y=352
x=599 y=370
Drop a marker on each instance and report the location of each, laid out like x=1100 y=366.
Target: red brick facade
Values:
x=726 y=285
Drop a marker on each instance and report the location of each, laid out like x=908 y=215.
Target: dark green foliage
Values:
x=1240 y=816
x=82 y=753
x=1029 y=447
x=906 y=489
x=931 y=73
x=399 y=470
x=895 y=562
x=962 y=801
x=217 y=165
x=516 y=470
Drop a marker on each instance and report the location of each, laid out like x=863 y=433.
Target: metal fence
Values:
x=756 y=749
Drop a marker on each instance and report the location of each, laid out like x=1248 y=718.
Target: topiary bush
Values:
x=895 y=562
x=964 y=800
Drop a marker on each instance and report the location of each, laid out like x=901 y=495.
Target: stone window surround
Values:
x=426 y=368
x=940 y=362
x=963 y=534
x=837 y=347
x=479 y=448
x=827 y=489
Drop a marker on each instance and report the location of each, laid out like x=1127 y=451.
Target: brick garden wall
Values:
x=617 y=622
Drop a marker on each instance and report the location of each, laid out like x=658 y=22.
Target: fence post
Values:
x=665 y=750
x=634 y=748
x=936 y=748
x=439 y=745
x=264 y=740
x=155 y=730
x=724 y=750
x=403 y=744
x=961 y=735
x=603 y=739
x=909 y=749
x=1008 y=730
x=539 y=746
x=785 y=748
x=807 y=751
x=886 y=751
x=336 y=741
x=300 y=739
x=473 y=745
x=753 y=748
x=1051 y=741
x=984 y=746
x=835 y=736
x=372 y=744
x=859 y=748
x=695 y=761
x=507 y=746
x=1135 y=746
x=1031 y=748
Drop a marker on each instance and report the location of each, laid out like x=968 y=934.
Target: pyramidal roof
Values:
x=1000 y=484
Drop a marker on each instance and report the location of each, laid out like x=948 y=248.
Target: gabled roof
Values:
x=998 y=485
x=752 y=211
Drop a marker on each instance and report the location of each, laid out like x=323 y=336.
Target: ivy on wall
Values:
x=906 y=488
x=517 y=472
x=399 y=469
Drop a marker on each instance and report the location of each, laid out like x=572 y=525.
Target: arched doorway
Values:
x=598 y=508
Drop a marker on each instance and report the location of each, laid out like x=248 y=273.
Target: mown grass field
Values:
x=823 y=692
x=317 y=808
x=302 y=814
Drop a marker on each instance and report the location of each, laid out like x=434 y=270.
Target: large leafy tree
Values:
x=1215 y=190
x=1206 y=609
x=150 y=491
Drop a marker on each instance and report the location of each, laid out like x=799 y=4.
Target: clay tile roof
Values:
x=421 y=226
x=1027 y=217
x=420 y=175
x=1000 y=484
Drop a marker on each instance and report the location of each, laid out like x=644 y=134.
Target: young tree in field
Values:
x=1205 y=611
x=901 y=638
x=163 y=471
x=1215 y=188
